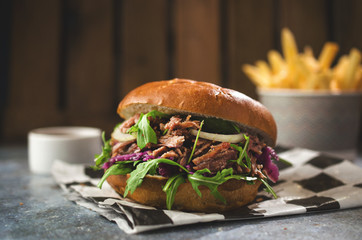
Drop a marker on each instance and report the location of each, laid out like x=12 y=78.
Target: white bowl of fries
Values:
x=305 y=71
x=325 y=121
x=316 y=105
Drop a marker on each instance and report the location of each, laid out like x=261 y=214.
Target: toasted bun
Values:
x=181 y=96
x=236 y=193
x=201 y=99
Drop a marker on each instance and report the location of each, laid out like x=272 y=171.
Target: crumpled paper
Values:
x=314 y=182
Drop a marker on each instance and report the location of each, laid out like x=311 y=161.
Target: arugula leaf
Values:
x=286 y=162
x=240 y=158
x=197 y=179
x=136 y=178
x=171 y=187
x=248 y=179
x=117 y=169
x=243 y=153
x=100 y=159
x=268 y=189
x=145 y=133
x=195 y=143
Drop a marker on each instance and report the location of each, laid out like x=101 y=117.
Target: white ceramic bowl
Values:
x=319 y=120
x=69 y=144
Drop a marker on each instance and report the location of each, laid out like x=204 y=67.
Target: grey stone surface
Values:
x=33 y=207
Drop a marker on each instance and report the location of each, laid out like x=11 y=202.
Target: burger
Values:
x=190 y=146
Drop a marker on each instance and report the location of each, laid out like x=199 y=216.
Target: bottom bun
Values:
x=237 y=193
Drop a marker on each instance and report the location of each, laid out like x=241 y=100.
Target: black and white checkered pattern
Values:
x=315 y=182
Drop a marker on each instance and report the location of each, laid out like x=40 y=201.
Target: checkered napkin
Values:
x=315 y=182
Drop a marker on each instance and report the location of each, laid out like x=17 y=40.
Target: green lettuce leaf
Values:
x=243 y=153
x=197 y=179
x=268 y=188
x=171 y=187
x=144 y=168
x=100 y=159
x=120 y=168
x=143 y=129
x=195 y=143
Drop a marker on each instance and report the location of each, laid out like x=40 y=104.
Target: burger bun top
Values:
x=182 y=96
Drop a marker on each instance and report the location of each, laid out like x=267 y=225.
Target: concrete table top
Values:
x=34 y=207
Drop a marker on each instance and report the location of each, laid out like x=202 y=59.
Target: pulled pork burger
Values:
x=191 y=146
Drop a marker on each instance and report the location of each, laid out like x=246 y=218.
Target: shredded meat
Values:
x=159 y=151
x=129 y=123
x=181 y=132
x=122 y=147
x=171 y=141
x=175 y=142
x=255 y=145
x=217 y=158
x=255 y=168
x=202 y=146
x=133 y=148
x=177 y=123
x=184 y=154
x=170 y=155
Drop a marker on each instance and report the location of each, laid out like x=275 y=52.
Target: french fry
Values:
x=290 y=52
x=334 y=85
x=324 y=80
x=254 y=74
x=351 y=70
x=308 y=51
x=358 y=85
x=280 y=80
x=304 y=75
x=311 y=63
x=339 y=73
x=276 y=61
x=327 y=55
x=289 y=46
x=263 y=67
x=303 y=70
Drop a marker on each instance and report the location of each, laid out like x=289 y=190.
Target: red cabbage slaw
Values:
x=166 y=170
x=144 y=156
x=271 y=169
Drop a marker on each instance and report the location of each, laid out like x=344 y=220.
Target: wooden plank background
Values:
x=69 y=62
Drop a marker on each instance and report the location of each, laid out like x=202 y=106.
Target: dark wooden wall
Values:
x=70 y=62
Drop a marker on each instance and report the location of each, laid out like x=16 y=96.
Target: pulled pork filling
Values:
x=175 y=142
